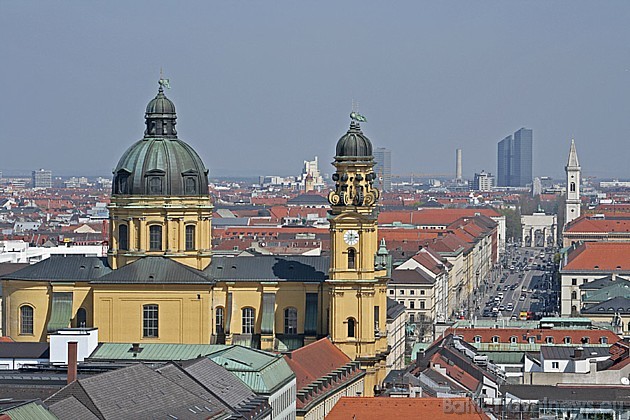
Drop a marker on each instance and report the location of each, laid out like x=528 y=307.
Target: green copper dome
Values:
x=354 y=144
x=160 y=164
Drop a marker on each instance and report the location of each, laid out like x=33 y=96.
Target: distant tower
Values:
x=573 y=170
x=383 y=168
x=458 y=164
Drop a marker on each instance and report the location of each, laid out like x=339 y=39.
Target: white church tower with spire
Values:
x=573 y=170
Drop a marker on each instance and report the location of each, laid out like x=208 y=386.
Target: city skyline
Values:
x=430 y=80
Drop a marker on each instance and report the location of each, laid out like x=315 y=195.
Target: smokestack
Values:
x=72 y=361
x=458 y=164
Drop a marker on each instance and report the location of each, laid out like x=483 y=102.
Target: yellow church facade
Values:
x=161 y=284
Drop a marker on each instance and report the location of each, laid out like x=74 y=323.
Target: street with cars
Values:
x=523 y=286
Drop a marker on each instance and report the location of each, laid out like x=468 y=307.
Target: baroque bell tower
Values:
x=573 y=170
x=358 y=270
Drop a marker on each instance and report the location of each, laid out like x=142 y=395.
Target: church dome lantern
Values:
x=160 y=164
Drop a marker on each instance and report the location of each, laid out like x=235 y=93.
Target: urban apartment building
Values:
x=514 y=160
x=42 y=178
x=383 y=167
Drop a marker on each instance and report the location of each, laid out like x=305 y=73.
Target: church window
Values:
x=122 y=185
x=190 y=238
x=26 y=320
x=190 y=185
x=155 y=238
x=123 y=237
x=219 y=320
x=155 y=185
x=81 y=318
x=248 y=320
x=351 y=258
x=351 y=327
x=290 y=321
x=377 y=312
x=572 y=187
x=149 y=321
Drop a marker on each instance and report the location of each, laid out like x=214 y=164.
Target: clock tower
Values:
x=358 y=270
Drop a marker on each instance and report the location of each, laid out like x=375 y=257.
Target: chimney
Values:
x=72 y=361
x=578 y=352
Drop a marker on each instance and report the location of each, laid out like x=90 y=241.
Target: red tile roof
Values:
x=540 y=335
x=366 y=408
x=598 y=225
x=606 y=256
x=455 y=372
x=315 y=360
x=432 y=217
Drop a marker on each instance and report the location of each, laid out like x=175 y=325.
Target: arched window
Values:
x=155 y=238
x=26 y=320
x=351 y=258
x=248 y=320
x=123 y=237
x=219 y=320
x=150 y=321
x=352 y=327
x=81 y=318
x=190 y=238
x=290 y=321
x=572 y=187
x=513 y=339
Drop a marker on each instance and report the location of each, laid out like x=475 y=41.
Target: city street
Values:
x=523 y=288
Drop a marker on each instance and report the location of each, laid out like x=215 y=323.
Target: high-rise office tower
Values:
x=503 y=168
x=383 y=168
x=522 y=157
x=514 y=160
x=42 y=179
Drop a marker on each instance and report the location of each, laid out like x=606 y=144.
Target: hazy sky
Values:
x=260 y=86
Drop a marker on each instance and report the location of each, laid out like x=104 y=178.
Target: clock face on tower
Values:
x=351 y=237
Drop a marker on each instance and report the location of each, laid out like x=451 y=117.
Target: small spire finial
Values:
x=164 y=83
x=354 y=115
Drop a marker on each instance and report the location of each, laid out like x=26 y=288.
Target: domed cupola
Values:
x=160 y=116
x=160 y=164
x=354 y=144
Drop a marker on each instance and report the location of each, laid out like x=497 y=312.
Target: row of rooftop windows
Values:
x=534 y=340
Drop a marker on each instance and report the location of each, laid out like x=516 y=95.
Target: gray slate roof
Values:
x=603 y=282
x=63 y=268
x=154 y=270
x=611 y=306
x=416 y=276
x=269 y=268
x=136 y=392
x=71 y=408
x=566 y=353
x=590 y=393
x=218 y=380
x=24 y=350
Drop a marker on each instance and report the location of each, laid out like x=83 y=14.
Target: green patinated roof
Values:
x=30 y=411
x=263 y=372
x=154 y=351
x=61 y=311
x=416 y=348
x=505 y=357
